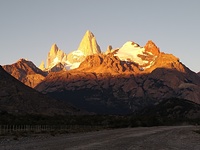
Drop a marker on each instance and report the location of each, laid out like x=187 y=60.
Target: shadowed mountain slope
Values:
x=174 y=108
x=120 y=93
x=124 y=80
x=17 y=98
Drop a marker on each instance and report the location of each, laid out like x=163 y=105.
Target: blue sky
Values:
x=28 y=28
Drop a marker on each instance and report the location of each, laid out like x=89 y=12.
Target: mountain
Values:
x=88 y=46
x=17 y=98
x=198 y=73
x=58 y=60
x=144 y=56
x=109 y=49
x=42 y=66
x=173 y=108
x=124 y=81
x=26 y=72
x=54 y=57
x=131 y=59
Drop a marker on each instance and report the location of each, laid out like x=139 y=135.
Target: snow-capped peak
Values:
x=131 y=51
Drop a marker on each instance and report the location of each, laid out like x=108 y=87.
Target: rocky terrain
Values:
x=106 y=84
x=26 y=72
x=58 y=60
x=17 y=98
x=198 y=73
x=119 y=81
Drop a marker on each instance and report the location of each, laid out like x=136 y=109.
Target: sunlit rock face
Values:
x=42 y=66
x=89 y=45
x=26 y=72
x=124 y=80
x=101 y=63
x=152 y=48
x=109 y=49
x=55 y=56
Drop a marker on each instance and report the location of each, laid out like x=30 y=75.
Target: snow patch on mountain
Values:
x=131 y=51
x=78 y=53
x=55 y=61
x=70 y=65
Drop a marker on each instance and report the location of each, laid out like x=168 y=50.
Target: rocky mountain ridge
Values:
x=55 y=56
x=198 y=73
x=17 y=98
x=111 y=84
x=119 y=81
x=26 y=72
x=58 y=60
x=120 y=93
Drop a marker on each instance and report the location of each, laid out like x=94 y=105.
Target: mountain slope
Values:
x=198 y=73
x=173 y=108
x=17 y=98
x=26 y=72
x=113 y=84
x=120 y=93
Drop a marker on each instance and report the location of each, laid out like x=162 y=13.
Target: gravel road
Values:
x=151 y=138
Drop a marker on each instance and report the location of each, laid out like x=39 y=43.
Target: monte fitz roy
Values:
x=121 y=80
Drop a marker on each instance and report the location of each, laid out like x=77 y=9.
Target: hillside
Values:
x=16 y=98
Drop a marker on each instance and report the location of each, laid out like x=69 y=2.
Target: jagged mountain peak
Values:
x=133 y=52
x=24 y=64
x=89 y=33
x=151 y=47
x=55 y=56
x=109 y=49
x=89 y=45
x=132 y=58
x=26 y=72
x=54 y=49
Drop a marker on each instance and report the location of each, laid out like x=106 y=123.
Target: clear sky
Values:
x=28 y=28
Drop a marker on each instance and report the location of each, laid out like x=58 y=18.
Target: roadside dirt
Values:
x=162 y=138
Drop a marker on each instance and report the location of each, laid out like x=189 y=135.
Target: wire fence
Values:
x=9 y=129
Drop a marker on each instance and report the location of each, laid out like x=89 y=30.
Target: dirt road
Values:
x=162 y=138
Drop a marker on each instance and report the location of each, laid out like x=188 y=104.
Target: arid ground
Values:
x=142 y=138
